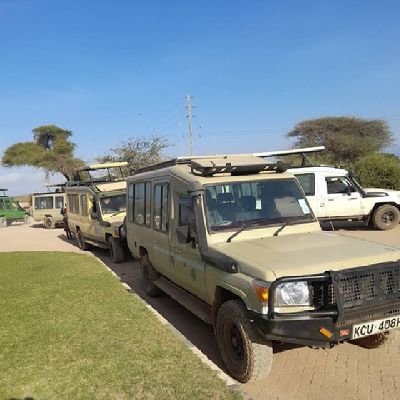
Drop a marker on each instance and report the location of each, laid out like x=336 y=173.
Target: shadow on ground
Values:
x=195 y=330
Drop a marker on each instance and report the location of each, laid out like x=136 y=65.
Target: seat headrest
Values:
x=225 y=197
x=248 y=203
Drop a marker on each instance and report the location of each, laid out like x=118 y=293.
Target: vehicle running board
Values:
x=192 y=303
x=96 y=243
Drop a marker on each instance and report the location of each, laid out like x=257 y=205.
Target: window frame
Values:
x=164 y=207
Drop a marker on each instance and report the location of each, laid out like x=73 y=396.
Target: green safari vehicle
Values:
x=10 y=210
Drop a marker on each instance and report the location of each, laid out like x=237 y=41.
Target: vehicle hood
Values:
x=116 y=220
x=389 y=192
x=299 y=254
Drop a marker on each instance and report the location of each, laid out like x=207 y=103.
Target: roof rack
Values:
x=233 y=164
x=94 y=167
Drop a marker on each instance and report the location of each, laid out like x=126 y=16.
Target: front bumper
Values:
x=306 y=328
x=342 y=299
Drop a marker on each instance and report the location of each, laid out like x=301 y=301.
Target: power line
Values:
x=189 y=115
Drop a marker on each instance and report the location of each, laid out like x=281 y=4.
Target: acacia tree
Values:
x=51 y=149
x=346 y=139
x=137 y=151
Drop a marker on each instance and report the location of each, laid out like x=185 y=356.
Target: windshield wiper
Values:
x=289 y=222
x=243 y=227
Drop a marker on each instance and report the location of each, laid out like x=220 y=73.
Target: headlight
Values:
x=292 y=294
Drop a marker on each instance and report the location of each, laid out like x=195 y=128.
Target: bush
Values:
x=379 y=170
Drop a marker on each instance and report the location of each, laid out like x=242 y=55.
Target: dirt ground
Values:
x=344 y=372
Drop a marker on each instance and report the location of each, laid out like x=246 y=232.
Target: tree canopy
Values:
x=346 y=139
x=51 y=149
x=137 y=151
x=379 y=170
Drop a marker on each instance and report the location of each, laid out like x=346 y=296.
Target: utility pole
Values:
x=189 y=116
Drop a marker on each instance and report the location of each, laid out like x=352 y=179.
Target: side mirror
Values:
x=93 y=215
x=182 y=232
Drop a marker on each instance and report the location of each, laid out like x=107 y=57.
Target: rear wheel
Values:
x=386 y=217
x=81 y=241
x=116 y=250
x=49 y=223
x=246 y=355
x=149 y=275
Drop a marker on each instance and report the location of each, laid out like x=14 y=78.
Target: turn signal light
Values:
x=261 y=291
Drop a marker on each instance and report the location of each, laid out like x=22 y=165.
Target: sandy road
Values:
x=344 y=372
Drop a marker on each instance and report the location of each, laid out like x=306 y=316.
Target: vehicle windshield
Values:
x=259 y=203
x=113 y=204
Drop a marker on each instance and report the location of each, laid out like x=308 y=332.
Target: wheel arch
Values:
x=223 y=293
x=384 y=203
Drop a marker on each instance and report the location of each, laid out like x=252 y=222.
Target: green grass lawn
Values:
x=69 y=330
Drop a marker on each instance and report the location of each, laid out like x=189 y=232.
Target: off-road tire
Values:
x=386 y=217
x=246 y=355
x=373 y=341
x=81 y=241
x=149 y=275
x=48 y=223
x=116 y=250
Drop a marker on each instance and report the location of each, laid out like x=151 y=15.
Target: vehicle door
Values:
x=189 y=269
x=343 y=198
x=89 y=216
x=160 y=248
x=311 y=187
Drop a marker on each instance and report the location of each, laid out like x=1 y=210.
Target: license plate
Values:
x=374 y=327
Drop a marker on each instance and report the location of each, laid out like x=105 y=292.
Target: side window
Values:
x=160 y=207
x=44 y=203
x=84 y=207
x=59 y=202
x=307 y=182
x=339 y=184
x=186 y=215
x=141 y=206
x=147 y=203
x=73 y=202
x=131 y=193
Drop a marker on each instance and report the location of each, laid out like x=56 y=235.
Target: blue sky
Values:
x=112 y=70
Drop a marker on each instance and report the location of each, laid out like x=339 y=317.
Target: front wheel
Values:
x=386 y=217
x=117 y=253
x=245 y=354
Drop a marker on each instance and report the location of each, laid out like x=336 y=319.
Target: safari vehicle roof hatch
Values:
x=234 y=164
x=303 y=152
x=4 y=192
x=95 y=174
x=59 y=188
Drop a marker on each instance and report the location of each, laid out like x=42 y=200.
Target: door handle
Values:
x=353 y=198
x=331 y=199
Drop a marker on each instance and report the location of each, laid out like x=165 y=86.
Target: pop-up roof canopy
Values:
x=99 y=173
